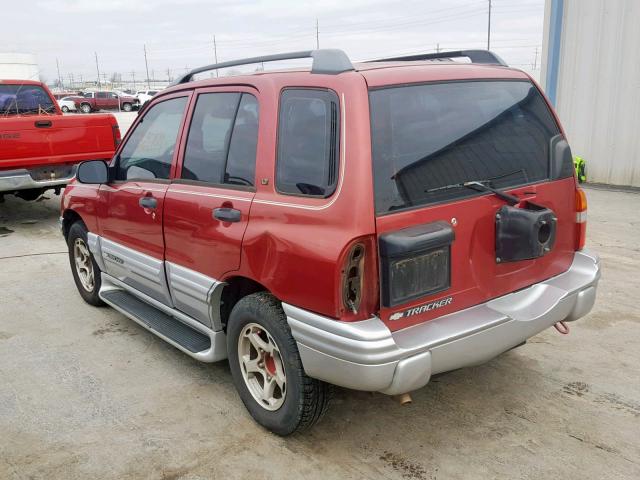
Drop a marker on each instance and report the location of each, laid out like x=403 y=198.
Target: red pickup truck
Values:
x=94 y=101
x=39 y=146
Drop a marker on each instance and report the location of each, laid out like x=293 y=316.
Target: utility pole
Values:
x=168 y=75
x=81 y=81
x=59 y=77
x=317 y=35
x=98 y=70
x=437 y=48
x=215 y=53
x=133 y=79
x=489 y=29
x=146 y=64
x=153 y=77
x=535 y=60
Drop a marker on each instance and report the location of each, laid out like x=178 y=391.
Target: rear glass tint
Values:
x=427 y=139
x=19 y=99
x=307 y=142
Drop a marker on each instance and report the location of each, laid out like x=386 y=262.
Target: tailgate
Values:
x=440 y=241
x=34 y=140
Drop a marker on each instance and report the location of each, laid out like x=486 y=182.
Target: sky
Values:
x=178 y=35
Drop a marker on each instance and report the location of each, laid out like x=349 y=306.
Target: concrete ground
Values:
x=85 y=393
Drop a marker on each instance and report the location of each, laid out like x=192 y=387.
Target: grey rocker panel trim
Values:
x=218 y=349
x=191 y=292
x=195 y=294
x=366 y=355
x=140 y=271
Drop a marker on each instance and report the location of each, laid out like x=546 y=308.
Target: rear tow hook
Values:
x=562 y=327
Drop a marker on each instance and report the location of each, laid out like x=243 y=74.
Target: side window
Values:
x=149 y=150
x=308 y=138
x=222 y=141
x=101 y=95
x=241 y=160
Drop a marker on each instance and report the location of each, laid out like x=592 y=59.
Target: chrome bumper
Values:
x=366 y=355
x=13 y=180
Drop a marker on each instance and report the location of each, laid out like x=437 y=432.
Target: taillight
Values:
x=352 y=278
x=581 y=218
x=116 y=135
x=358 y=293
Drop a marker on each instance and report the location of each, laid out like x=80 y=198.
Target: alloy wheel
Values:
x=262 y=366
x=84 y=265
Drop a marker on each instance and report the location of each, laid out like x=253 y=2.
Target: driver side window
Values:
x=149 y=150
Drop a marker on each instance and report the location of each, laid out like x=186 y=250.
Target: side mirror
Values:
x=93 y=171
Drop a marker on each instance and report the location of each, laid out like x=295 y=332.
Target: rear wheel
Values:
x=127 y=107
x=86 y=272
x=85 y=108
x=65 y=109
x=267 y=370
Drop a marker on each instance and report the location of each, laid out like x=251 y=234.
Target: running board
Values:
x=195 y=340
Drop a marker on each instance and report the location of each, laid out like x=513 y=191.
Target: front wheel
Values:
x=267 y=370
x=86 y=272
x=65 y=109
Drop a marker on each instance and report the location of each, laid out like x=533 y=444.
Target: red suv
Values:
x=365 y=225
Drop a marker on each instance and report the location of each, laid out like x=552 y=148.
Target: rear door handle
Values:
x=148 y=202
x=227 y=214
x=43 y=123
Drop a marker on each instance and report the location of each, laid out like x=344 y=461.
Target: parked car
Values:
x=94 y=101
x=39 y=147
x=68 y=104
x=144 y=96
x=366 y=226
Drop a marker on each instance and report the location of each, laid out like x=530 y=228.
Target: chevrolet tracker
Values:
x=364 y=225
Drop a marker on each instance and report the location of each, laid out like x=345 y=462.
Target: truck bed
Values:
x=28 y=141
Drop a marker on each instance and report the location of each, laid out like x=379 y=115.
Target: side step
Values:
x=190 y=340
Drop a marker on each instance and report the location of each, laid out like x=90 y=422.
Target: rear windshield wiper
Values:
x=484 y=186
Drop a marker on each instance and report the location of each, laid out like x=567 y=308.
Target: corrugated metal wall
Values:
x=598 y=86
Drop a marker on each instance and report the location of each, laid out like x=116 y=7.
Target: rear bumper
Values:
x=21 y=179
x=366 y=355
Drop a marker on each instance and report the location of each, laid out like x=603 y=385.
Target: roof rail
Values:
x=476 y=56
x=329 y=61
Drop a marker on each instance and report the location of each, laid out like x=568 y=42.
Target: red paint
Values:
x=296 y=246
x=70 y=139
x=104 y=101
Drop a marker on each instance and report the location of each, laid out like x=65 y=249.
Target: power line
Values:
x=146 y=64
x=97 y=69
x=489 y=28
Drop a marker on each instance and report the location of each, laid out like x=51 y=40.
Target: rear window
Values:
x=20 y=99
x=427 y=139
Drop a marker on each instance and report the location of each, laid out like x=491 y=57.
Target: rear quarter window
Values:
x=308 y=138
x=428 y=138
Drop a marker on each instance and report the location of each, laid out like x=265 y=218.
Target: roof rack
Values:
x=329 y=61
x=476 y=56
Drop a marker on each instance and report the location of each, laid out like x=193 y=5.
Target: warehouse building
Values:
x=18 y=66
x=591 y=73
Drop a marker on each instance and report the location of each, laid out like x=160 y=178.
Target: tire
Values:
x=77 y=241
x=304 y=400
x=85 y=108
x=127 y=107
x=65 y=109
